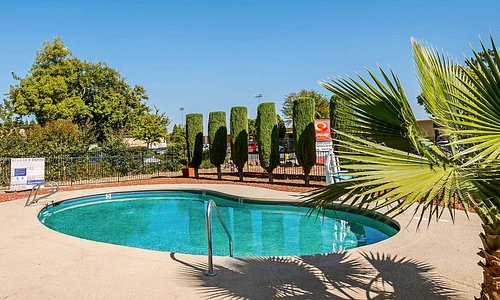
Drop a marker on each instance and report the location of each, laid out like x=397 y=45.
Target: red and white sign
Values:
x=323 y=140
x=322 y=130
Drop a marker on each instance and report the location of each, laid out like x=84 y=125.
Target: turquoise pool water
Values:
x=175 y=221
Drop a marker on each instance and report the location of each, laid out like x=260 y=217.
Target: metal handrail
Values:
x=211 y=204
x=54 y=188
x=37 y=187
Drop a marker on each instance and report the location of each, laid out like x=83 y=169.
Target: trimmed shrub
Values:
x=342 y=118
x=217 y=137
x=304 y=134
x=239 y=137
x=333 y=113
x=194 y=136
x=268 y=138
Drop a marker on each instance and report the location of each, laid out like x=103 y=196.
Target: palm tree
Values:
x=394 y=165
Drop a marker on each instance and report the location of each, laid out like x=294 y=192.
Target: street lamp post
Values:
x=258 y=97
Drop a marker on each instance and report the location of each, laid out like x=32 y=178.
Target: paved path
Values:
x=438 y=262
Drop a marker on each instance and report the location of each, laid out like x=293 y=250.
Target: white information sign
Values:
x=25 y=173
x=324 y=146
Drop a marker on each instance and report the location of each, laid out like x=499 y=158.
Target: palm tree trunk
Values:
x=490 y=289
x=219 y=173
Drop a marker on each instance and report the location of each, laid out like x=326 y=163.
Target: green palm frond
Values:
x=378 y=111
x=394 y=165
x=476 y=114
x=484 y=195
x=387 y=177
x=440 y=79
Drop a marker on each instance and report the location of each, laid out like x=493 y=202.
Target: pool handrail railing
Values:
x=211 y=204
x=54 y=188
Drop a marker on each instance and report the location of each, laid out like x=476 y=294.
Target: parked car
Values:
x=160 y=151
x=97 y=158
x=151 y=160
x=252 y=147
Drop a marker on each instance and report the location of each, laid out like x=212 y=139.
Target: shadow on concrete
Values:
x=332 y=276
x=406 y=278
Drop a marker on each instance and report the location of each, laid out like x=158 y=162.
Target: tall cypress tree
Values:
x=194 y=136
x=304 y=134
x=217 y=136
x=268 y=138
x=239 y=137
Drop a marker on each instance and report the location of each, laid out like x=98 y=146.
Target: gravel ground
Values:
x=295 y=186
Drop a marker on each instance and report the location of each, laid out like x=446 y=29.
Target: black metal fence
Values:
x=287 y=169
x=99 y=168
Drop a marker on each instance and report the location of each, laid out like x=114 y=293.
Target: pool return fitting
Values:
x=211 y=204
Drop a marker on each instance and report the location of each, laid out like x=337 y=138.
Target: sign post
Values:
x=25 y=173
x=324 y=149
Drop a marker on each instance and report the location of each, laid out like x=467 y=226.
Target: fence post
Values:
x=88 y=165
x=118 y=170
x=71 y=171
x=285 y=156
x=158 y=166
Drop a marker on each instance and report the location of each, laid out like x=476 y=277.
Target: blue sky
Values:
x=212 y=55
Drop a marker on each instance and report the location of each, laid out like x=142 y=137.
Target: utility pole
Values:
x=182 y=114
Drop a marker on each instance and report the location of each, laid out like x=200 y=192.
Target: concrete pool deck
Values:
x=435 y=262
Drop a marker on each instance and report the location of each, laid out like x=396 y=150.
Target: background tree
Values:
x=151 y=128
x=480 y=57
x=56 y=138
x=14 y=142
x=217 y=136
x=304 y=134
x=268 y=138
x=281 y=127
x=178 y=136
x=395 y=166
x=252 y=128
x=8 y=117
x=194 y=138
x=61 y=86
x=239 y=137
x=114 y=143
x=12 y=132
x=321 y=105
x=176 y=151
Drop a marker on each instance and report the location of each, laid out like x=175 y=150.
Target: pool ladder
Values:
x=211 y=205
x=54 y=188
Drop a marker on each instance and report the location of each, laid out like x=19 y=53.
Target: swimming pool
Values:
x=174 y=221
